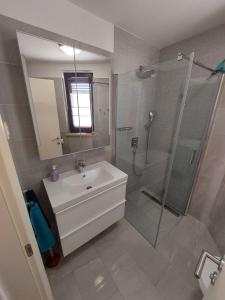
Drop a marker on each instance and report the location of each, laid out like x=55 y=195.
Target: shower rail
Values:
x=196 y=62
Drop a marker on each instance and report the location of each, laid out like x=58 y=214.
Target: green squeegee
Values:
x=221 y=67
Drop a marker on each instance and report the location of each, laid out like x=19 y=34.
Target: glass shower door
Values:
x=162 y=94
x=199 y=105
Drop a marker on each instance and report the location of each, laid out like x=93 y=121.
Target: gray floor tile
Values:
x=82 y=256
x=144 y=293
x=95 y=282
x=153 y=264
x=169 y=222
x=130 y=247
x=117 y=296
x=175 y=287
x=115 y=257
x=143 y=214
x=205 y=241
x=63 y=269
x=65 y=288
x=134 y=284
x=187 y=233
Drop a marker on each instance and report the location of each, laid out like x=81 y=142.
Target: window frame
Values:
x=68 y=78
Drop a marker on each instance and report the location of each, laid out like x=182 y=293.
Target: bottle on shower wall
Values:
x=54 y=173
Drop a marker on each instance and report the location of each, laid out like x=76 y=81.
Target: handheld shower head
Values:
x=151 y=116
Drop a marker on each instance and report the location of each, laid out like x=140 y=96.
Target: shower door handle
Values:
x=192 y=158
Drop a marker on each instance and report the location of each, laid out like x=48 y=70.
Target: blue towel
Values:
x=43 y=233
x=31 y=197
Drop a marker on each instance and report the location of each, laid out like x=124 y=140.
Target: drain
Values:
x=88 y=187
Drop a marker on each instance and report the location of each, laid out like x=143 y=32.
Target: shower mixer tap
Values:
x=134 y=143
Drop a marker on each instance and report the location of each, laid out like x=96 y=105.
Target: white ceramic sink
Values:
x=86 y=205
x=78 y=183
x=73 y=187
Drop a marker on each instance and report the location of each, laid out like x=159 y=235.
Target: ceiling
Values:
x=159 y=22
x=41 y=49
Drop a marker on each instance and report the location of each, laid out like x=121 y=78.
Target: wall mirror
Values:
x=69 y=95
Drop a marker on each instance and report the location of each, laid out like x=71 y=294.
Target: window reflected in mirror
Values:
x=79 y=94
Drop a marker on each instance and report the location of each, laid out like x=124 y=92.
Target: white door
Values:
x=16 y=278
x=22 y=276
x=46 y=117
x=217 y=291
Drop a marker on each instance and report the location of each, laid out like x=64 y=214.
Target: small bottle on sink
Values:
x=54 y=174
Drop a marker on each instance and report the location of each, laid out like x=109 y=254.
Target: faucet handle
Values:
x=81 y=166
x=81 y=163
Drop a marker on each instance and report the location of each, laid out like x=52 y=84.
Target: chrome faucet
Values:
x=81 y=166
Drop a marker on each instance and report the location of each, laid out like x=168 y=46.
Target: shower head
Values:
x=145 y=72
x=151 y=116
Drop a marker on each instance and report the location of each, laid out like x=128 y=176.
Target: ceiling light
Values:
x=69 y=50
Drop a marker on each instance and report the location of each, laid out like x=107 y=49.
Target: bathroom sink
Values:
x=86 y=203
x=73 y=187
x=90 y=178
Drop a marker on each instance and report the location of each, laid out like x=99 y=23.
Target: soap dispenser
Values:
x=54 y=173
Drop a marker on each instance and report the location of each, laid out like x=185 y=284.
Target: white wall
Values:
x=64 y=18
x=134 y=98
x=131 y=52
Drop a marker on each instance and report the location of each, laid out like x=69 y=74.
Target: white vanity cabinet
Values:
x=86 y=204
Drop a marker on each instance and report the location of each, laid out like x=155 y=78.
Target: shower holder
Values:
x=125 y=128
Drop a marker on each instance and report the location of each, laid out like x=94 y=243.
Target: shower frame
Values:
x=205 y=143
x=175 y=140
x=207 y=130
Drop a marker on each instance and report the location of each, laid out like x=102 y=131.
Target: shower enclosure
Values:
x=163 y=116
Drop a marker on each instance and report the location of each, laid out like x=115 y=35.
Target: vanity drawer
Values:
x=81 y=213
x=83 y=234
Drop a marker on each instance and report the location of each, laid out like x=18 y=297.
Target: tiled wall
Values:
x=170 y=80
x=134 y=101
x=208 y=199
x=135 y=97
x=131 y=52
